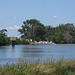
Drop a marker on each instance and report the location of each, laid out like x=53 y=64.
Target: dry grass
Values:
x=52 y=68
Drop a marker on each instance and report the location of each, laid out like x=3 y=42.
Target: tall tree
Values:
x=32 y=29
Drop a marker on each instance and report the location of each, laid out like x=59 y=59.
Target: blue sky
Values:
x=48 y=12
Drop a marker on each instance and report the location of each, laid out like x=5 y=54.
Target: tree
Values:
x=3 y=37
x=3 y=32
x=64 y=33
x=69 y=33
x=31 y=29
x=49 y=32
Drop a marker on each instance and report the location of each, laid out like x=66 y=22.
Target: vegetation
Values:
x=3 y=39
x=33 y=29
x=48 y=68
x=64 y=33
x=23 y=41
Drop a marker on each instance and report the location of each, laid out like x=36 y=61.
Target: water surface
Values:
x=9 y=53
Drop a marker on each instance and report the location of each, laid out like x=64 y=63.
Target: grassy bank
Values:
x=60 y=67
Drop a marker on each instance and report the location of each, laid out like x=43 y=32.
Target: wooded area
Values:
x=35 y=30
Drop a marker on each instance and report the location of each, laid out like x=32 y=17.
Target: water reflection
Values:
x=13 y=49
x=12 y=53
x=32 y=51
x=28 y=51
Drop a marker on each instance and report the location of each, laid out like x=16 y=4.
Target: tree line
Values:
x=35 y=30
x=4 y=40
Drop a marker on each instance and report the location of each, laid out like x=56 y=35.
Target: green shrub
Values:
x=24 y=41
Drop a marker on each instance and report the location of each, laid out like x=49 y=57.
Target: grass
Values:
x=60 y=67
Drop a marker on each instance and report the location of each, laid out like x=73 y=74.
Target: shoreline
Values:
x=61 y=67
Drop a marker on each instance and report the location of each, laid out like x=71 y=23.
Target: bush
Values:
x=23 y=41
x=62 y=42
x=2 y=40
x=18 y=41
x=8 y=41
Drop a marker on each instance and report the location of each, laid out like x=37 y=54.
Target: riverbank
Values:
x=42 y=42
x=60 y=67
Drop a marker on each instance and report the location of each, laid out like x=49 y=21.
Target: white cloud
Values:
x=15 y=27
x=10 y=28
x=14 y=17
x=54 y=16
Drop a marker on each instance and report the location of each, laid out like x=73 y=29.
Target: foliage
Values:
x=18 y=41
x=64 y=33
x=32 y=29
x=22 y=41
x=52 y=68
x=3 y=32
x=3 y=39
x=8 y=41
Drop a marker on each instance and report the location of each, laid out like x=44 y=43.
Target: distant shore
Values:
x=43 y=43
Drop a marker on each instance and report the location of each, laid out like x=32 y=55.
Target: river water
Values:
x=11 y=54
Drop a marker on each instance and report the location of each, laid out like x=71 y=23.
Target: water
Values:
x=11 y=54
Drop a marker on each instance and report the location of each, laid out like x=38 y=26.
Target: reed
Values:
x=24 y=67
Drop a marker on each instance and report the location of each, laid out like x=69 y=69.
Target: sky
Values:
x=48 y=12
